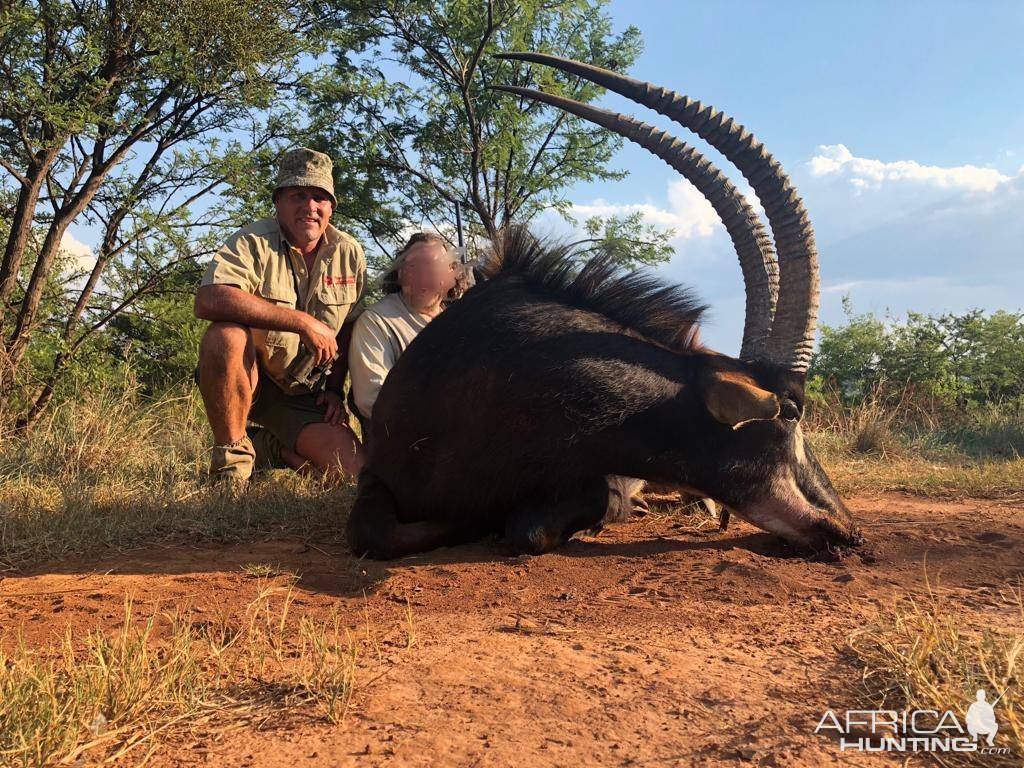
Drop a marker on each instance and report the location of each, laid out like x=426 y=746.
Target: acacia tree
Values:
x=124 y=114
x=433 y=134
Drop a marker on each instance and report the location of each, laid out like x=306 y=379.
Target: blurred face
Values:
x=304 y=213
x=426 y=275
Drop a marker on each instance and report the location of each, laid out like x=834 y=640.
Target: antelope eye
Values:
x=789 y=410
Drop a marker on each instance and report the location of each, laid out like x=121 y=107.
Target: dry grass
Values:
x=174 y=675
x=992 y=479
x=927 y=655
x=891 y=443
x=115 y=471
x=266 y=571
x=863 y=429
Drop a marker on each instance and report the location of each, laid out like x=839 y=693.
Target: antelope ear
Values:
x=735 y=399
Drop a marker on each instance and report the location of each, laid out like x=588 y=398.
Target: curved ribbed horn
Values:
x=749 y=238
x=792 y=337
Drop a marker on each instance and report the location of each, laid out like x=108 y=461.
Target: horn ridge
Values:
x=750 y=240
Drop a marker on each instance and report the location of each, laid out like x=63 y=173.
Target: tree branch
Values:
x=14 y=172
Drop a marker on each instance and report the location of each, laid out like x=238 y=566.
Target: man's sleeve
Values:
x=369 y=360
x=234 y=264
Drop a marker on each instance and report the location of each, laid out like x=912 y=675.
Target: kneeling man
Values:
x=278 y=293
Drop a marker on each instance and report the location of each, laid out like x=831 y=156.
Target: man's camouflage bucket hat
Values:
x=304 y=167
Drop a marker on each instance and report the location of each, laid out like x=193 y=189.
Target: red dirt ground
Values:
x=650 y=644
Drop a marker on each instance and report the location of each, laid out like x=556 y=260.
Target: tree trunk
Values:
x=28 y=419
x=21 y=228
x=25 y=321
x=14 y=252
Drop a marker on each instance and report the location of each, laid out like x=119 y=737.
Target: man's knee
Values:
x=330 y=447
x=223 y=342
x=341 y=448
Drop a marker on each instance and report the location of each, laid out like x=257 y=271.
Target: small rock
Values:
x=98 y=724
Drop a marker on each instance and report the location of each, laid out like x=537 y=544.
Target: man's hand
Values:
x=335 y=408
x=319 y=339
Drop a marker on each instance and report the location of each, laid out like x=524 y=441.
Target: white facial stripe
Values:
x=798 y=446
x=787 y=511
x=780 y=528
x=790 y=491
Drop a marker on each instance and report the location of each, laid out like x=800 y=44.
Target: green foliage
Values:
x=128 y=117
x=849 y=356
x=106 y=65
x=629 y=241
x=971 y=358
x=160 y=337
x=435 y=133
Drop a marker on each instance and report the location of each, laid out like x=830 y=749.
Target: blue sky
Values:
x=901 y=124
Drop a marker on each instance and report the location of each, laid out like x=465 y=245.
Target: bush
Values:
x=956 y=360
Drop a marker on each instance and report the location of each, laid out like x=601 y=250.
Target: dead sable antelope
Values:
x=511 y=411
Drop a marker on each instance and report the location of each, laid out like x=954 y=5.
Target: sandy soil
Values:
x=652 y=643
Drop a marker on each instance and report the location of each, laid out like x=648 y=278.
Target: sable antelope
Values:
x=514 y=410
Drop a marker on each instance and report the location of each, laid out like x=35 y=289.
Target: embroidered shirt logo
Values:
x=339 y=280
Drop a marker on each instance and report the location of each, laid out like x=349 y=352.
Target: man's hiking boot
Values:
x=231 y=465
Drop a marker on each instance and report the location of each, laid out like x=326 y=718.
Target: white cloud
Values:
x=80 y=252
x=686 y=211
x=895 y=236
x=901 y=236
x=863 y=173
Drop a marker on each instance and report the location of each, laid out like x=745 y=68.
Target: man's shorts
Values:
x=284 y=415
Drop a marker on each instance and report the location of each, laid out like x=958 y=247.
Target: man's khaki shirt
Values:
x=259 y=260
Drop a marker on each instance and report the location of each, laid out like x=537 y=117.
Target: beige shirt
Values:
x=382 y=334
x=259 y=260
